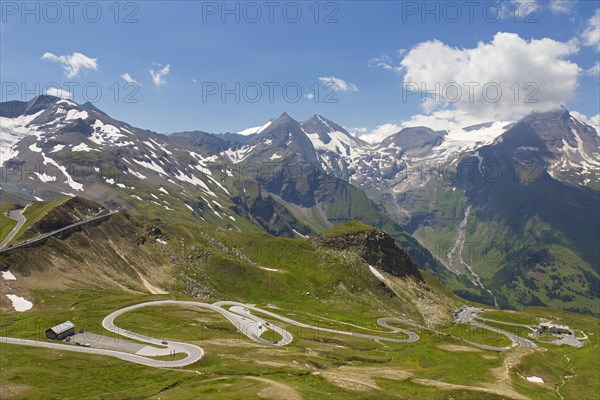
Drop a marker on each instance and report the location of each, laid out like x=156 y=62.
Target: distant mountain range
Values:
x=505 y=212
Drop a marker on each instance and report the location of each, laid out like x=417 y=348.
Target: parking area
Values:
x=569 y=340
x=88 y=339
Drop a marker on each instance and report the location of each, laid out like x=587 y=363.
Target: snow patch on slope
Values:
x=12 y=130
x=76 y=114
x=105 y=133
x=240 y=154
x=19 y=303
x=8 y=276
x=82 y=147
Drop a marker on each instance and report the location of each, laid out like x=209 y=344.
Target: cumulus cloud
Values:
x=158 y=75
x=339 y=84
x=73 y=64
x=56 y=92
x=591 y=35
x=482 y=81
x=562 y=6
x=127 y=78
x=377 y=134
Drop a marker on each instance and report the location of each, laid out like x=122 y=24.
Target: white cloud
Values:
x=157 y=76
x=591 y=35
x=438 y=121
x=595 y=70
x=562 y=6
x=430 y=104
x=309 y=96
x=339 y=84
x=127 y=78
x=377 y=134
x=447 y=120
x=388 y=63
x=507 y=62
x=384 y=62
x=193 y=80
x=357 y=132
x=56 y=92
x=74 y=63
x=593 y=121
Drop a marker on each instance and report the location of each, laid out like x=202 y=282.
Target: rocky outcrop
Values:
x=70 y=212
x=377 y=249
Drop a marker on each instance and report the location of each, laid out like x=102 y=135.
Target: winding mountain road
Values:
x=412 y=337
x=17 y=215
x=44 y=236
x=468 y=314
x=249 y=324
x=194 y=353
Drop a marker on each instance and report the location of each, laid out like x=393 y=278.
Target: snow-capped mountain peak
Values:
x=256 y=130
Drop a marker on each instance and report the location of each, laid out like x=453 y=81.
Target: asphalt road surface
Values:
x=46 y=235
x=467 y=315
x=251 y=325
x=195 y=352
x=412 y=337
x=18 y=216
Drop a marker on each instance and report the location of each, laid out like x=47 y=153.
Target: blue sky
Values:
x=369 y=49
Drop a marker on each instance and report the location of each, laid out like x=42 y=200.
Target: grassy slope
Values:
x=515 y=266
x=352 y=226
x=303 y=366
x=34 y=213
x=574 y=371
x=315 y=285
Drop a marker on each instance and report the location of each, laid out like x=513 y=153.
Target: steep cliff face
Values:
x=375 y=247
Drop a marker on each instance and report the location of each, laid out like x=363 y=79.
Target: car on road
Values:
x=164 y=342
x=86 y=345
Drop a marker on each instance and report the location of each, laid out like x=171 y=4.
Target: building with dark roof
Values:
x=61 y=331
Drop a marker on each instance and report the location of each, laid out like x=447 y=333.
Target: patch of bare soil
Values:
x=276 y=390
x=488 y=357
x=458 y=348
x=492 y=388
x=502 y=373
x=360 y=379
x=151 y=288
x=511 y=359
x=10 y=391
